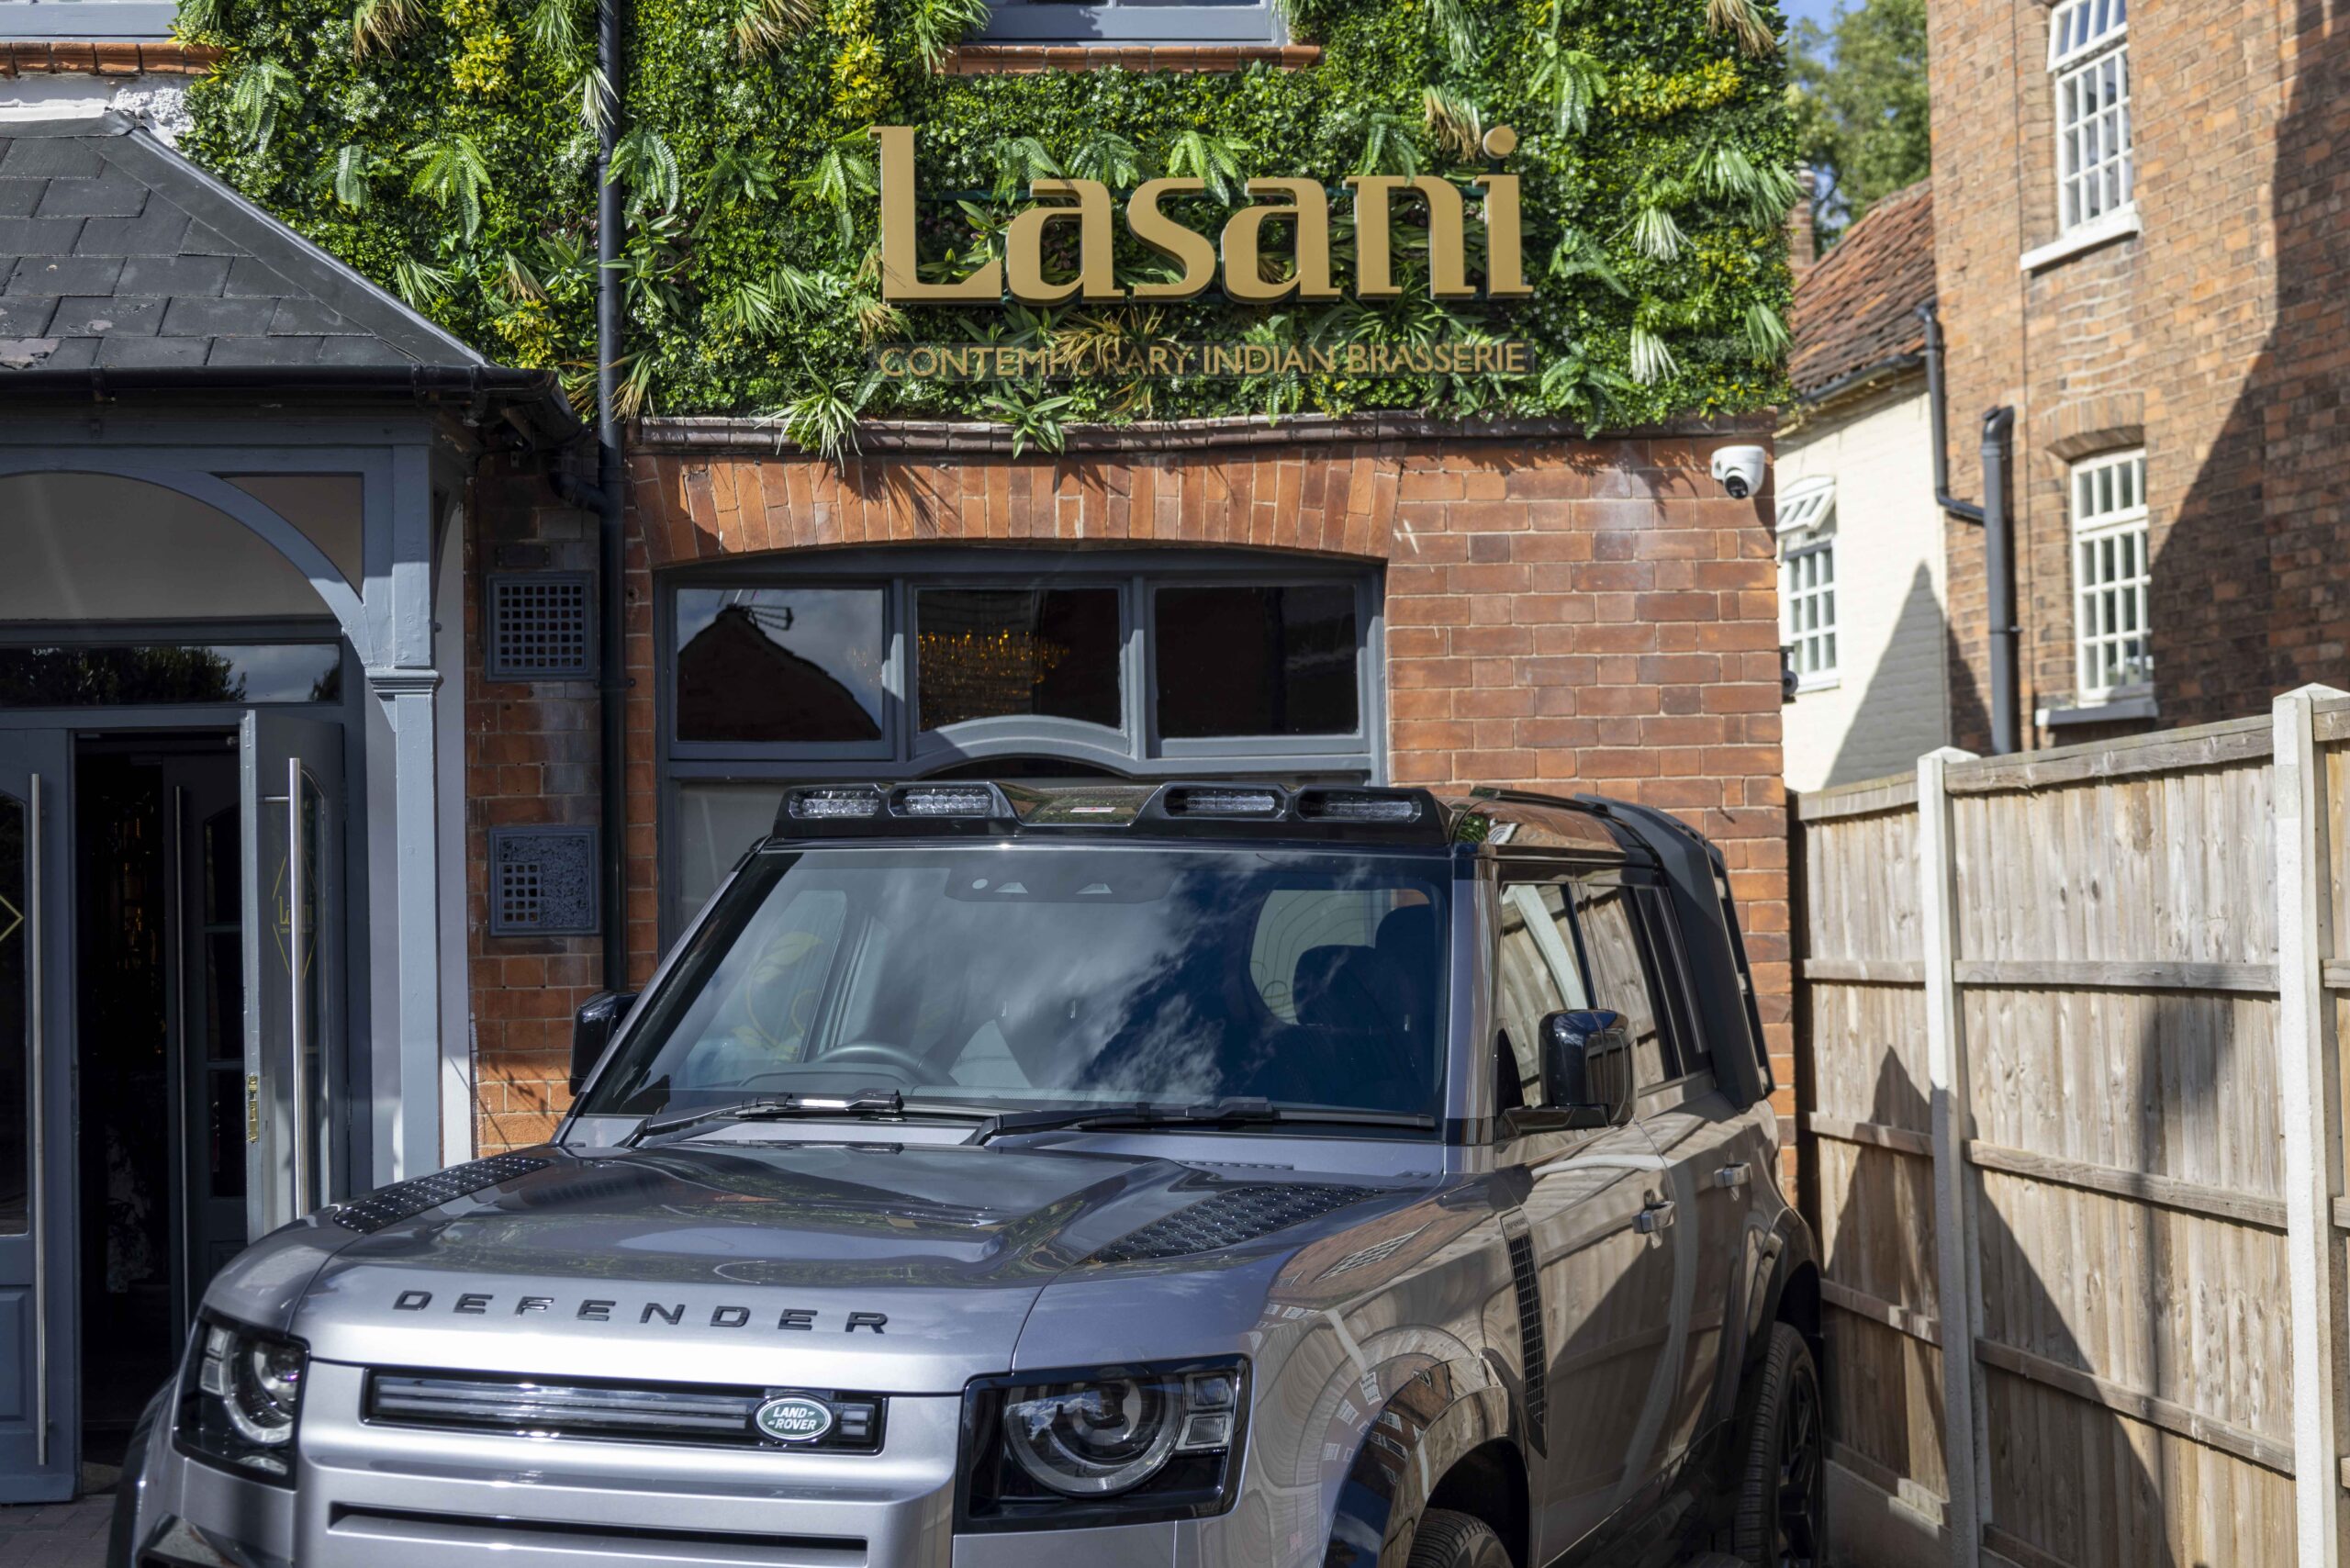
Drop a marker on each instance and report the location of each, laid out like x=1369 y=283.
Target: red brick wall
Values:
x=1560 y=614
x=2216 y=331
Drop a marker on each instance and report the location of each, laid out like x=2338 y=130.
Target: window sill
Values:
x=2112 y=710
x=1818 y=683
x=1033 y=59
x=2121 y=223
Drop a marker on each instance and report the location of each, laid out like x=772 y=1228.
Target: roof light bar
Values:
x=833 y=804
x=1196 y=801
x=948 y=801
x=1357 y=806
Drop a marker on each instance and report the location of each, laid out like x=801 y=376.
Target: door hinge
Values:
x=252 y=1108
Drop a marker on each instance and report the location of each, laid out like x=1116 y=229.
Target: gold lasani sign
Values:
x=1235 y=257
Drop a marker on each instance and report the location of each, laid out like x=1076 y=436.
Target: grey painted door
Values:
x=39 y=1431
x=290 y=803
x=207 y=1031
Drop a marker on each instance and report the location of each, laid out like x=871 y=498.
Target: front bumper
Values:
x=375 y=1497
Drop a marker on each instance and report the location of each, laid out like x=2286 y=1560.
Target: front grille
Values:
x=617 y=1412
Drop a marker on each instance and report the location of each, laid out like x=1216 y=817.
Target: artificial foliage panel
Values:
x=442 y=147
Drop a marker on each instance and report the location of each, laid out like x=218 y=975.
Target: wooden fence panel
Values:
x=2140 y=1087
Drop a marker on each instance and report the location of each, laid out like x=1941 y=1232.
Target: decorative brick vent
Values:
x=542 y=881
x=542 y=626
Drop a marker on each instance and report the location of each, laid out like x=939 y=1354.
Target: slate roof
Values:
x=117 y=251
x=1857 y=308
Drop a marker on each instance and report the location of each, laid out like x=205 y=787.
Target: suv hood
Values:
x=897 y=1269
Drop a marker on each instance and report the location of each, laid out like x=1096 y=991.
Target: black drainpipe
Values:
x=612 y=684
x=1998 y=532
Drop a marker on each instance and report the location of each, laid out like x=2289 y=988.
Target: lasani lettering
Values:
x=476 y=1303
x=1085 y=206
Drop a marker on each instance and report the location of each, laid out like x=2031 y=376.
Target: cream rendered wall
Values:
x=1890 y=702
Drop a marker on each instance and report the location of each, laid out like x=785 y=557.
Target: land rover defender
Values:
x=1214 y=1174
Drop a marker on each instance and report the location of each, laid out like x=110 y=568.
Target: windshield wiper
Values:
x=1233 y=1112
x=773 y=1108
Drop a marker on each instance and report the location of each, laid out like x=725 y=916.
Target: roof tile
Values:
x=114 y=316
x=147 y=353
x=200 y=275
x=188 y=318
x=157 y=232
x=65 y=274
x=1857 y=308
x=111 y=195
x=18 y=197
x=36 y=237
x=73 y=158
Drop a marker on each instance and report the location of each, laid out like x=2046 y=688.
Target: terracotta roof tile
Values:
x=1858 y=308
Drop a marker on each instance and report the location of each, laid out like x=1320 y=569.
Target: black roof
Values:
x=116 y=253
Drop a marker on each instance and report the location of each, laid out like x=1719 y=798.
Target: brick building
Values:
x=1860 y=549
x=1518 y=606
x=2139 y=244
x=303 y=652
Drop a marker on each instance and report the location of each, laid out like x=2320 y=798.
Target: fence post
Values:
x=1955 y=1244
x=2307 y=1113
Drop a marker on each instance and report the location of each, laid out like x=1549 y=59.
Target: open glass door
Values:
x=290 y=806
x=38 y=1461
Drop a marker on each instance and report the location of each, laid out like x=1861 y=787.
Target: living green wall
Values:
x=443 y=148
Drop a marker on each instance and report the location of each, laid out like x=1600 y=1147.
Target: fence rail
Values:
x=2075 y=1142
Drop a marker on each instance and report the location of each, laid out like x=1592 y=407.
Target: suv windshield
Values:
x=1056 y=976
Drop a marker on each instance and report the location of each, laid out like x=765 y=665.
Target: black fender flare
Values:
x=1428 y=1425
x=1774 y=1293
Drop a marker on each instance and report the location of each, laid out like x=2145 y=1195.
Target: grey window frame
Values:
x=907 y=752
x=38 y=21
x=1116 y=23
x=319 y=629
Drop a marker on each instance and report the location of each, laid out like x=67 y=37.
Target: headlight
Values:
x=241 y=1396
x=1108 y=1445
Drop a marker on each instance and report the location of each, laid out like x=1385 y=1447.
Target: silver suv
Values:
x=1209 y=1174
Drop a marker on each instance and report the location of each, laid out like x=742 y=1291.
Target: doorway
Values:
x=158 y=984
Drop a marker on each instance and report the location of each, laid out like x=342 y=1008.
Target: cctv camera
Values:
x=1739 y=470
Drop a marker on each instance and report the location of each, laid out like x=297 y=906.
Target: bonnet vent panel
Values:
x=1229 y=1218
x=406 y=1200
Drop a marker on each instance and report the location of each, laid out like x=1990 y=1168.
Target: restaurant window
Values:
x=885 y=664
x=1115 y=22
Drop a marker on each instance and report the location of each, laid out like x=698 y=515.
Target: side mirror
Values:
x=1587 y=1068
x=591 y=1031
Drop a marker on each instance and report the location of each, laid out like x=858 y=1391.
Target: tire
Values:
x=1447 y=1540
x=1783 y=1485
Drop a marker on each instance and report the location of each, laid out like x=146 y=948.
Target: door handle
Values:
x=297 y=958
x=33 y=1012
x=1730 y=1177
x=1657 y=1215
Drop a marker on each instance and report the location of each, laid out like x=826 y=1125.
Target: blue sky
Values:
x=1817 y=10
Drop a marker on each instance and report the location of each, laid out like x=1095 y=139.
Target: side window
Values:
x=1614 y=946
x=1672 y=976
x=1534 y=976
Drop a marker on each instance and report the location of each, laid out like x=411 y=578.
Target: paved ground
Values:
x=56 y=1535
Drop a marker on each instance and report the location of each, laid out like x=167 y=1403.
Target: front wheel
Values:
x=1783 y=1490
x=1447 y=1540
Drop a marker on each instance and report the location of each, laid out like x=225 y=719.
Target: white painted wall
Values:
x=71 y=94
x=1890 y=703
